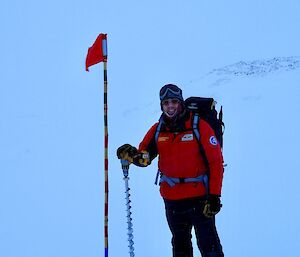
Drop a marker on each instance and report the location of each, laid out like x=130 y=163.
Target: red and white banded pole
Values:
x=105 y=162
x=98 y=53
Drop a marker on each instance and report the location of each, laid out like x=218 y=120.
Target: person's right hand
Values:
x=127 y=152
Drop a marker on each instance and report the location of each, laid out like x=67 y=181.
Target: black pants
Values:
x=182 y=215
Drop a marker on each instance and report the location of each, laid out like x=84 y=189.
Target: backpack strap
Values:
x=195 y=125
x=173 y=181
x=196 y=131
x=158 y=128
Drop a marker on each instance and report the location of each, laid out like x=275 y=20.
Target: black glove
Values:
x=212 y=206
x=127 y=152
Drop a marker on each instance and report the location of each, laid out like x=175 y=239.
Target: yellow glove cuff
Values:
x=144 y=160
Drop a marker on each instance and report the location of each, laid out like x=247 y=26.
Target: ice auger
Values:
x=125 y=167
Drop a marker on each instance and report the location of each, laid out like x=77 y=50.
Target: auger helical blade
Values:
x=125 y=167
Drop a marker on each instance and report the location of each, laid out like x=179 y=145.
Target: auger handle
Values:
x=125 y=167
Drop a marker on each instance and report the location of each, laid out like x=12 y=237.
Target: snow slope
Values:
x=259 y=218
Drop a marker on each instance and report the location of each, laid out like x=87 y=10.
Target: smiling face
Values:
x=171 y=107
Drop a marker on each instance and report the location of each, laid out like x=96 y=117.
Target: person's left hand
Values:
x=212 y=206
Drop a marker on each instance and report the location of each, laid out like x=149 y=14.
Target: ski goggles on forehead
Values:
x=169 y=92
x=170 y=101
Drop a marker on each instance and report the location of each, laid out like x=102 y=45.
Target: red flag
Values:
x=97 y=52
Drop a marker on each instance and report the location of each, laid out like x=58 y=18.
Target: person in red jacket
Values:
x=190 y=180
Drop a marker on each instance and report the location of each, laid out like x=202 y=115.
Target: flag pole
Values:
x=98 y=53
x=104 y=51
x=105 y=162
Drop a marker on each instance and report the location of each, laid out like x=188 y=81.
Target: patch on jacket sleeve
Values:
x=213 y=140
x=187 y=137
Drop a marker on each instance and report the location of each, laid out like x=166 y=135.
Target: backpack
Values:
x=205 y=109
x=202 y=108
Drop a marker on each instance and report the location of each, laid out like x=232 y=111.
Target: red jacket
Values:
x=180 y=157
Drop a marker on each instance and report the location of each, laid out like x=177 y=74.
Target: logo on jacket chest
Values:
x=187 y=137
x=162 y=139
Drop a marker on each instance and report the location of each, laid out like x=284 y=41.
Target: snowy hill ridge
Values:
x=259 y=67
x=229 y=73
